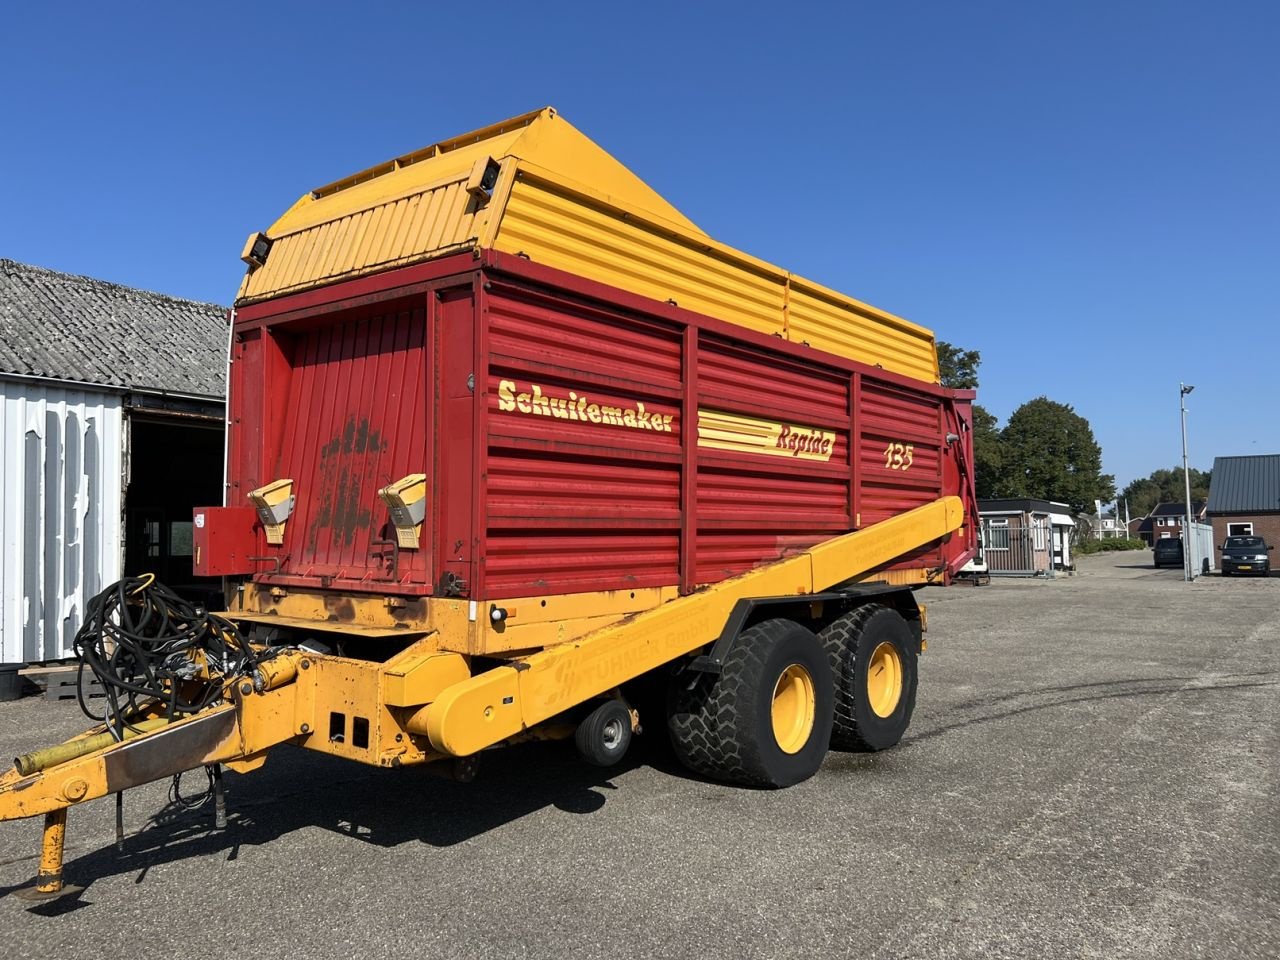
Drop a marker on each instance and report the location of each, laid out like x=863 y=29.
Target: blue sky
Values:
x=1088 y=193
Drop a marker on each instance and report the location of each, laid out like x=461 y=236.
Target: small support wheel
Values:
x=604 y=736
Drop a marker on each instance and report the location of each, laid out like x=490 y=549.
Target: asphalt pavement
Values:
x=1093 y=771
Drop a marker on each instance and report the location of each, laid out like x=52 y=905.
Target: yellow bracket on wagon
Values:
x=406 y=499
x=274 y=504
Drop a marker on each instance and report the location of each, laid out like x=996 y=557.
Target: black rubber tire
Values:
x=721 y=726
x=849 y=643
x=603 y=737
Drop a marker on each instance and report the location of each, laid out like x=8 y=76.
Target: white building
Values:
x=111 y=427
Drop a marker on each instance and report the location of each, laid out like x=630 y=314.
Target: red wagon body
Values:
x=575 y=438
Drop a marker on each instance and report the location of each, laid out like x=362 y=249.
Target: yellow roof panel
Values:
x=563 y=201
x=541 y=137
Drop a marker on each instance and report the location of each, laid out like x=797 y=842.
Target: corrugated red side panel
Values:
x=254 y=424
x=572 y=505
x=452 y=483
x=246 y=416
x=567 y=457
x=574 y=502
x=752 y=508
x=894 y=478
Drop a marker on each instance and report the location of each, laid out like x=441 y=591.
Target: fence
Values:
x=1014 y=548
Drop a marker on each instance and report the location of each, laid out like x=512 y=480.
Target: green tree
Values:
x=987 y=458
x=1048 y=452
x=959 y=367
x=1164 y=486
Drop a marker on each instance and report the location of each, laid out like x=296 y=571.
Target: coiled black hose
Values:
x=145 y=644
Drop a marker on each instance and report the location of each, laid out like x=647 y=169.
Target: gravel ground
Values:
x=1092 y=772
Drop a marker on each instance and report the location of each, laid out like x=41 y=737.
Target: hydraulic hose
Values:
x=147 y=646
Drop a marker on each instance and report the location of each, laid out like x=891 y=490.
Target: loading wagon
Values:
x=515 y=450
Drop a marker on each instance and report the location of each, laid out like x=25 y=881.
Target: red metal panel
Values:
x=749 y=508
x=797 y=495
x=855 y=462
x=223 y=540
x=534 y=332
x=899 y=450
x=567 y=284
x=898 y=414
x=723 y=555
x=957 y=475
x=900 y=458
x=245 y=416
x=748 y=380
x=584 y=447
x=454 y=454
x=753 y=508
x=689 y=461
x=353 y=418
x=546 y=500
x=528 y=488
x=536 y=562
x=356 y=293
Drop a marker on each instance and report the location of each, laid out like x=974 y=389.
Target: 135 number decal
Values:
x=897 y=456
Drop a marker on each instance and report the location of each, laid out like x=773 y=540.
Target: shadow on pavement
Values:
x=298 y=789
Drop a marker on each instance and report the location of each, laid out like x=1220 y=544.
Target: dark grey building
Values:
x=1244 y=497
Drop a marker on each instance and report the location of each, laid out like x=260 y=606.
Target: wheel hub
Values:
x=793 y=708
x=884 y=679
x=612 y=734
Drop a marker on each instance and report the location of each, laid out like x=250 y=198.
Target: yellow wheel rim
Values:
x=884 y=679
x=793 y=708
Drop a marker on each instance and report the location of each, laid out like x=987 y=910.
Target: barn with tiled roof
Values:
x=111 y=430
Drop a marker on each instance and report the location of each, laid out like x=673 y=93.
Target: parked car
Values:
x=1169 y=552
x=1245 y=555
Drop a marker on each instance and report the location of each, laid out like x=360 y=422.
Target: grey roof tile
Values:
x=1245 y=484
x=77 y=328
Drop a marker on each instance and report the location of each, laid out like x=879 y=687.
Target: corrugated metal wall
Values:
x=61 y=499
x=901 y=458
x=558 y=229
x=555 y=226
x=429 y=223
x=575 y=499
x=752 y=508
x=355 y=420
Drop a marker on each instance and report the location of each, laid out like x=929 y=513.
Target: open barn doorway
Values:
x=175 y=464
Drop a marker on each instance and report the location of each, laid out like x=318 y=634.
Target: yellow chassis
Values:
x=425 y=703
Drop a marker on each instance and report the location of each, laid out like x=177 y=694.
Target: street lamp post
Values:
x=1188 y=562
